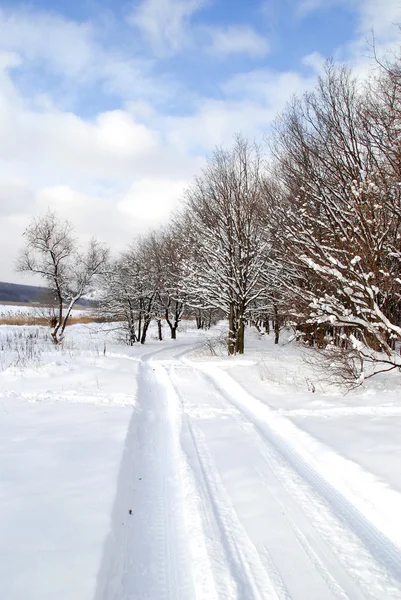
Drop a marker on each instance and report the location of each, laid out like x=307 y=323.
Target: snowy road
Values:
x=227 y=503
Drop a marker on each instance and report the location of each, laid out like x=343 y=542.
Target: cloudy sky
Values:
x=108 y=108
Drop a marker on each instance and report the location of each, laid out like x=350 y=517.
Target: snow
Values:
x=246 y=477
x=16 y=308
x=63 y=423
x=34 y=309
x=57 y=477
x=369 y=440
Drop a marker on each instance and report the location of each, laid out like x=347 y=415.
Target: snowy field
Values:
x=18 y=308
x=25 y=307
x=247 y=478
x=21 y=311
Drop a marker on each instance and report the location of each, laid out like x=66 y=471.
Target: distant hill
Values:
x=19 y=293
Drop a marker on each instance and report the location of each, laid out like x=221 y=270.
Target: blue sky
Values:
x=190 y=60
x=109 y=108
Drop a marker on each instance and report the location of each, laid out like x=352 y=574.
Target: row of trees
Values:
x=210 y=262
x=307 y=235
x=143 y=284
x=335 y=186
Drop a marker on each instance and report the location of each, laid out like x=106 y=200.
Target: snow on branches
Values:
x=342 y=226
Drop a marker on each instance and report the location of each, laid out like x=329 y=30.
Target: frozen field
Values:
x=160 y=472
x=27 y=311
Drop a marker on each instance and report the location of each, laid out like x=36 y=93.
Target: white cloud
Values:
x=314 y=60
x=379 y=15
x=121 y=172
x=269 y=87
x=49 y=144
x=116 y=218
x=12 y=228
x=72 y=51
x=164 y=23
x=382 y=16
x=65 y=45
x=15 y=196
x=378 y=18
x=87 y=212
x=237 y=39
x=118 y=173
x=112 y=176
x=152 y=200
x=106 y=148
x=9 y=60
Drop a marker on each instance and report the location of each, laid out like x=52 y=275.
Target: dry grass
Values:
x=29 y=319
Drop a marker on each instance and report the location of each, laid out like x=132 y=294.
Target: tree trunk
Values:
x=132 y=335
x=200 y=322
x=67 y=316
x=131 y=338
x=173 y=325
x=276 y=324
x=231 y=331
x=140 y=325
x=240 y=337
x=159 y=330
x=58 y=322
x=146 y=324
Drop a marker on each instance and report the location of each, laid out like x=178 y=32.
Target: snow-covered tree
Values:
x=224 y=224
x=165 y=254
x=339 y=220
x=130 y=291
x=52 y=252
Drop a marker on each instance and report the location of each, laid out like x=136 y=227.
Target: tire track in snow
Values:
x=165 y=551
x=319 y=583
x=231 y=561
x=252 y=579
x=146 y=555
x=205 y=587
x=380 y=547
x=324 y=544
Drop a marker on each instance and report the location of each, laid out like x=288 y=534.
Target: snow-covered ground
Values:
x=247 y=478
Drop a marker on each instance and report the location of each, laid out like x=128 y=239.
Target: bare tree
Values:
x=130 y=291
x=51 y=251
x=117 y=301
x=166 y=254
